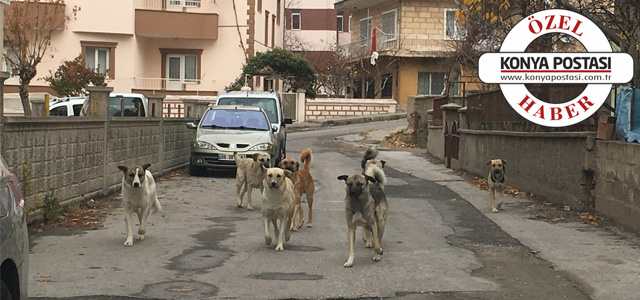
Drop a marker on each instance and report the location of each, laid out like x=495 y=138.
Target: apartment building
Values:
x=315 y=29
x=181 y=48
x=414 y=41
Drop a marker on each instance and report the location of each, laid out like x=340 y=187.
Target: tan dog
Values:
x=249 y=176
x=277 y=204
x=495 y=180
x=303 y=185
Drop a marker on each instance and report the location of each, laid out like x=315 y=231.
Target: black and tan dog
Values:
x=495 y=180
x=360 y=210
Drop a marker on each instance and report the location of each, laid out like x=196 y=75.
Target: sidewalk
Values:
x=605 y=262
x=310 y=125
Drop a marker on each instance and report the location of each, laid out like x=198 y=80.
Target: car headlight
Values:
x=261 y=147
x=204 y=145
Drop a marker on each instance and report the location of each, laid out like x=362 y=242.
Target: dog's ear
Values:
x=488 y=162
x=370 y=179
x=146 y=166
x=383 y=162
x=504 y=162
x=297 y=166
x=123 y=169
x=343 y=177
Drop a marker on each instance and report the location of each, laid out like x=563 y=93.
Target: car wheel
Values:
x=196 y=171
x=5 y=293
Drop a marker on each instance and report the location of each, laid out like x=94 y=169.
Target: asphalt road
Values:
x=437 y=245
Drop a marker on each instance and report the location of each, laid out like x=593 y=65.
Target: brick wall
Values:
x=78 y=158
x=335 y=108
x=617 y=189
x=422 y=24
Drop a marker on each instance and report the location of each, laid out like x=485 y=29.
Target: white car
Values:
x=67 y=106
x=120 y=105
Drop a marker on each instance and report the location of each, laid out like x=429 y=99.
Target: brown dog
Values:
x=304 y=185
x=495 y=180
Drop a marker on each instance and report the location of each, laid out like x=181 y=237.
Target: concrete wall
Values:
x=79 y=158
x=617 y=189
x=547 y=164
x=333 y=108
x=435 y=141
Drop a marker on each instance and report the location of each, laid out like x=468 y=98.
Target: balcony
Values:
x=173 y=86
x=176 y=19
x=396 y=45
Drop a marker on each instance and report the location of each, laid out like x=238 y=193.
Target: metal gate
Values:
x=451 y=142
x=289 y=105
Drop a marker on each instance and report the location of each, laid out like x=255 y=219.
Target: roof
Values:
x=249 y=94
x=237 y=107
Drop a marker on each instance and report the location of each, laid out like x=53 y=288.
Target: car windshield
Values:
x=267 y=104
x=235 y=119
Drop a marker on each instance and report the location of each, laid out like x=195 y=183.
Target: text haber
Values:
x=554 y=23
x=554 y=113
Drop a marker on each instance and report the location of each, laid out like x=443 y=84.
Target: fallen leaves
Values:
x=400 y=139
x=589 y=218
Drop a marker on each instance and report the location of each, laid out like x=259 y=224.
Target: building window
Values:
x=386 y=86
x=60 y=111
x=268 y=84
x=97 y=59
x=296 y=20
x=452 y=29
x=266 y=28
x=340 y=23
x=430 y=83
x=279 y=11
x=389 y=22
x=180 y=67
x=100 y=57
x=184 y=3
x=259 y=5
x=365 y=29
x=273 y=31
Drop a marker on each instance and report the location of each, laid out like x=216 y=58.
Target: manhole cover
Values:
x=179 y=290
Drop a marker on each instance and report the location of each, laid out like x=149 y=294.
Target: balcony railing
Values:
x=166 y=84
x=393 y=44
x=177 y=5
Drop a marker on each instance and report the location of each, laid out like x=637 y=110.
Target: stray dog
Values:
x=139 y=197
x=249 y=176
x=495 y=180
x=360 y=210
x=375 y=168
x=277 y=205
x=371 y=153
x=303 y=185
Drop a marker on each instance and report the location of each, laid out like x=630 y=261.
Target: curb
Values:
x=306 y=126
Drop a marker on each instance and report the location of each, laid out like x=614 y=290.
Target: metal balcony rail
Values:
x=184 y=5
x=168 y=84
x=386 y=43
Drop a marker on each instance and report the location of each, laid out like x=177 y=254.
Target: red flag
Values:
x=373 y=40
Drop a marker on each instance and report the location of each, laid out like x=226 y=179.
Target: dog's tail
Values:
x=157 y=207
x=305 y=158
x=371 y=153
x=377 y=173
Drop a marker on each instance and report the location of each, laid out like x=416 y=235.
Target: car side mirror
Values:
x=191 y=125
x=274 y=128
x=288 y=121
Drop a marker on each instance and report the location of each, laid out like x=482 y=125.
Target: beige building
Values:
x=414 y=40
x=180 y=48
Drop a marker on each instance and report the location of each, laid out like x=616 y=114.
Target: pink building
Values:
x=180 y=48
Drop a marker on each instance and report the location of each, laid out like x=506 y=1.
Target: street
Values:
x=438 y=245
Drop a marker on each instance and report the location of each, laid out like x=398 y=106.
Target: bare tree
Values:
x=335 y=72
x=29 y=26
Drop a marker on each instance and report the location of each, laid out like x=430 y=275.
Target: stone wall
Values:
x=547 y=164
x=335 y=108
x=78 y=158
x=617 y=188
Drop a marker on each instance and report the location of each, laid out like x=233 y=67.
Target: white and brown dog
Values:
x=139 y=197
x=495 y=180
x=277 y=206
x=249 y=176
